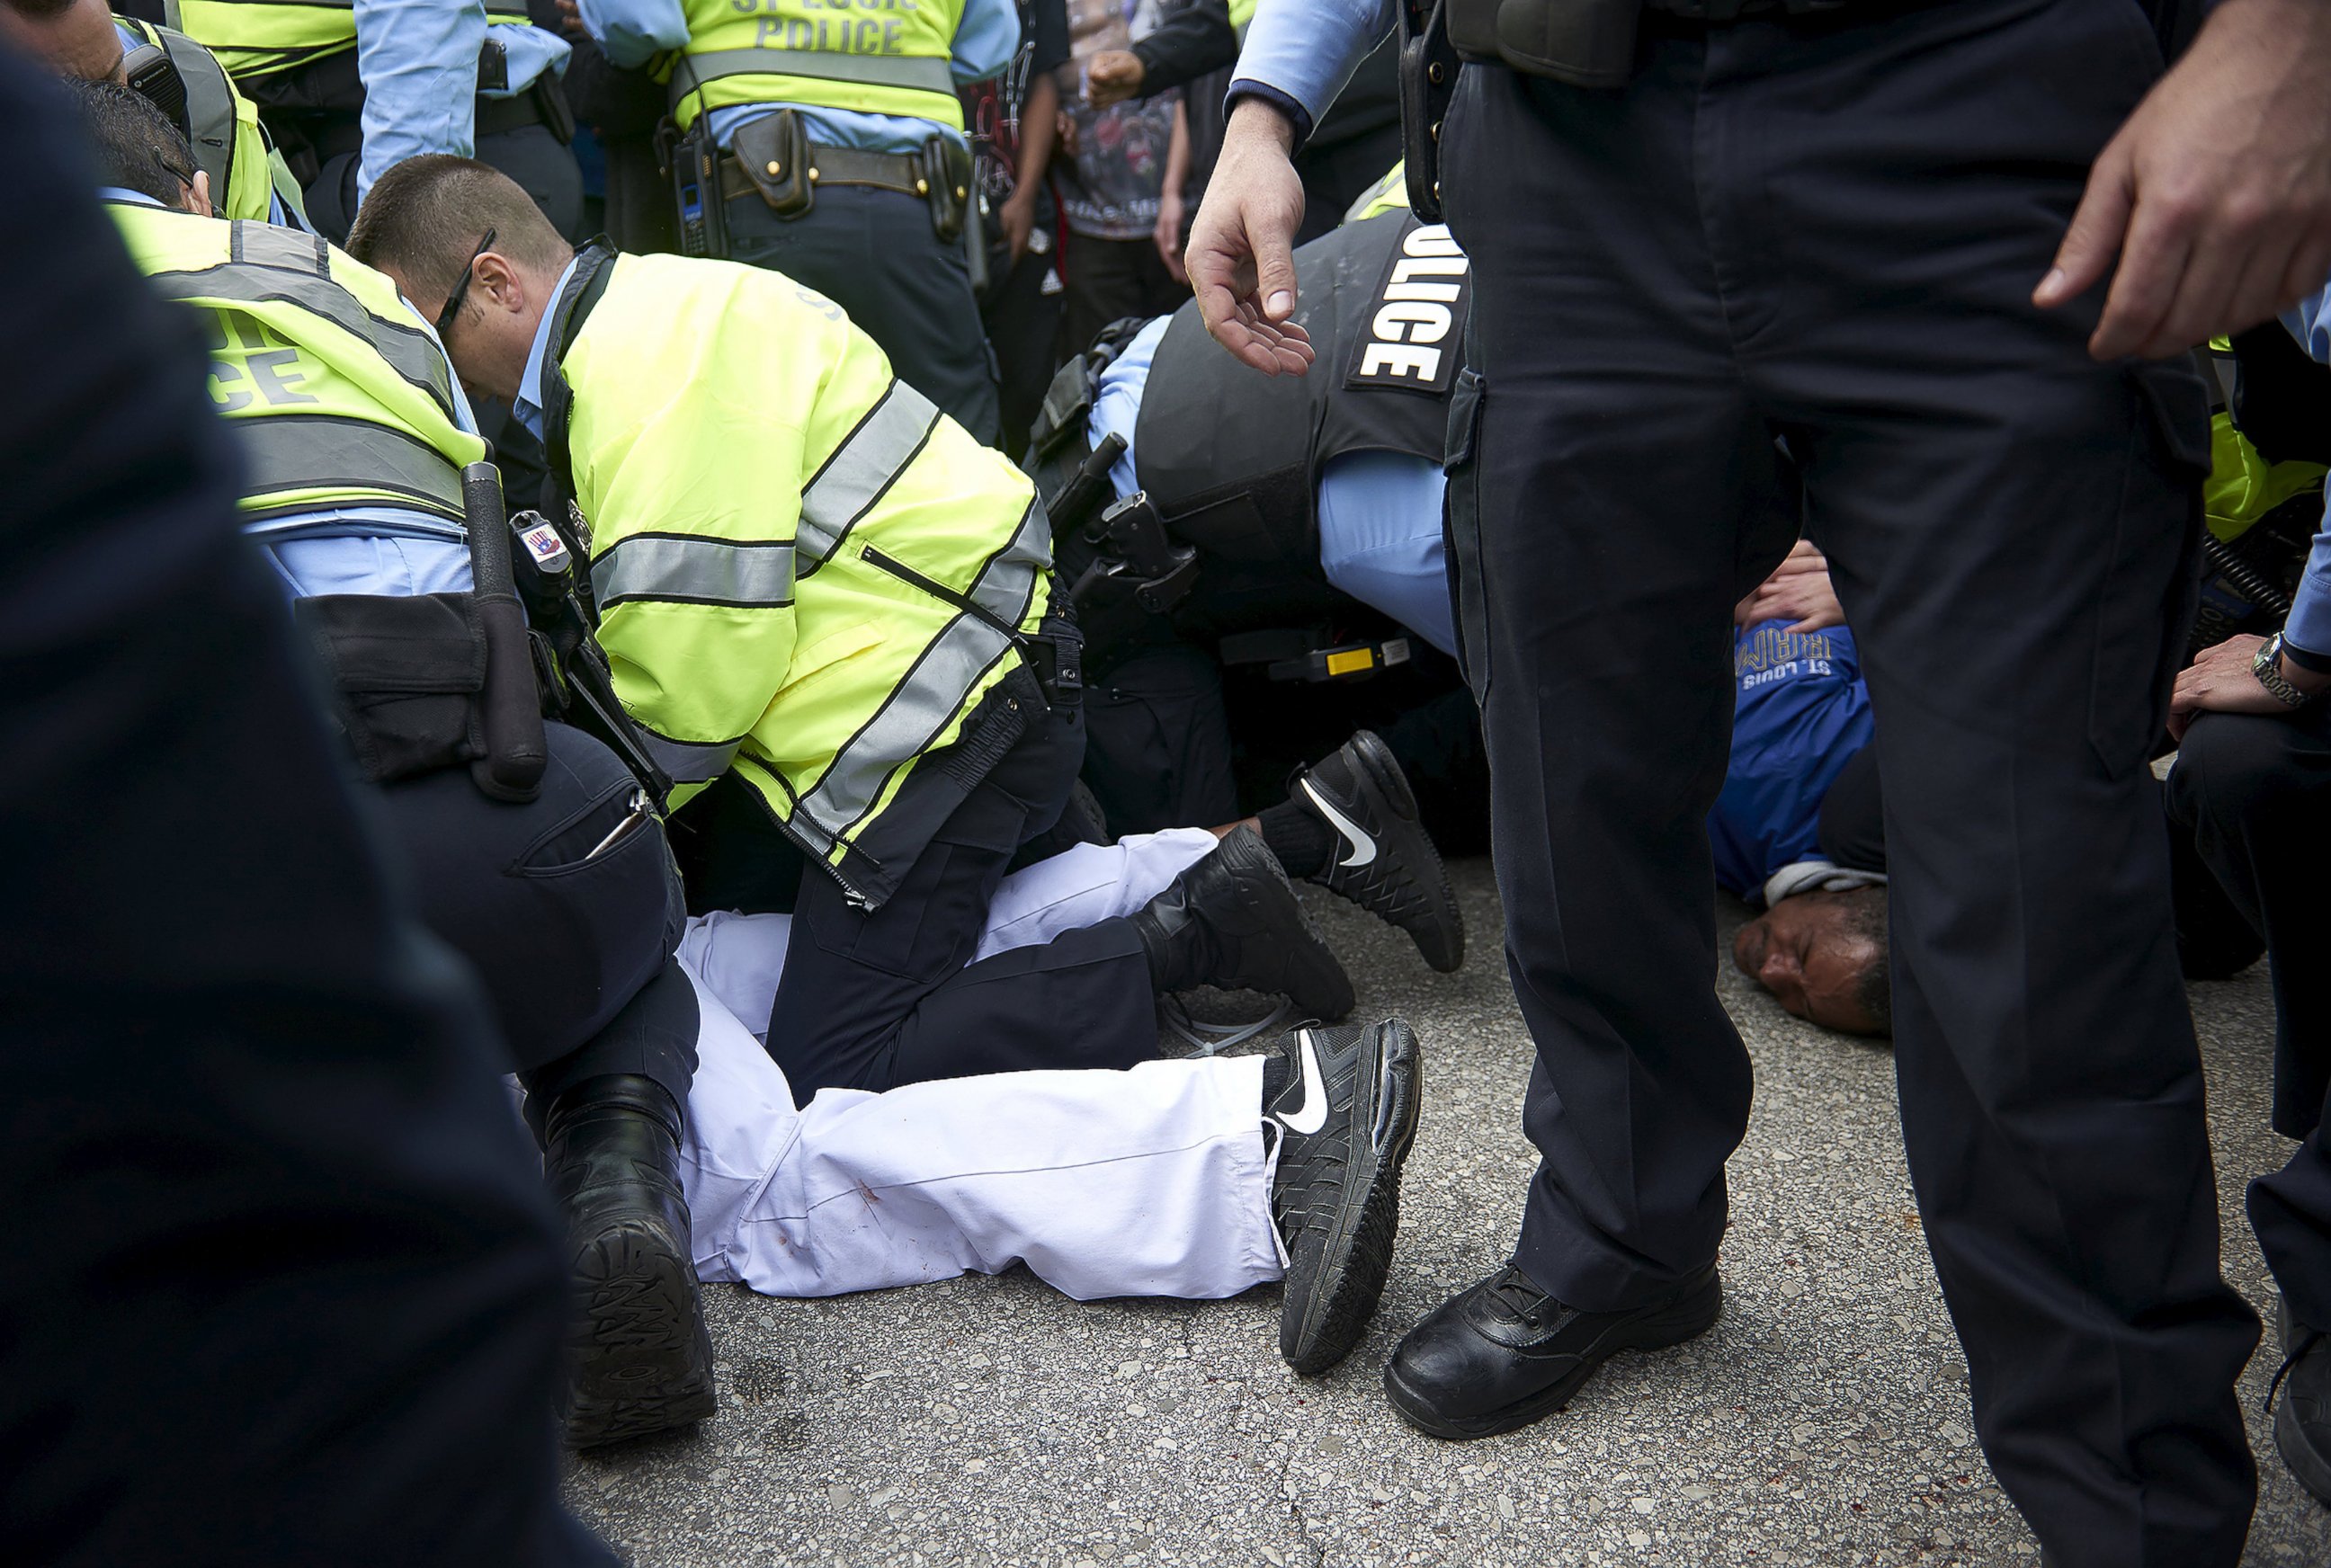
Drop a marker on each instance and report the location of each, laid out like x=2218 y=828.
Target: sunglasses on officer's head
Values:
x=461 y=288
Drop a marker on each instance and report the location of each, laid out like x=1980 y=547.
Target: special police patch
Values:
x=1416 y=337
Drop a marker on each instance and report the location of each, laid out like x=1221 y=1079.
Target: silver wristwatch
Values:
x=2267 y=665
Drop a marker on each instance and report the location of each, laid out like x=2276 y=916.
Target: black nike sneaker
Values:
x=1345 y=1120
x=1383 y=859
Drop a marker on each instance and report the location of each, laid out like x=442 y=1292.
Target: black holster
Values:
x=439 y=679
x=1428 y=78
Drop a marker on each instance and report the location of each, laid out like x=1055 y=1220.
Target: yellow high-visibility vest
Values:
x=889 y=58
x=805 y=573
x=255 y=38
x=337 y=394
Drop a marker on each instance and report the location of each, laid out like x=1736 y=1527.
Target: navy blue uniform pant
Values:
x=1825 y=230
x=873 y=998
x=2253 y=792
x=568 y=906
x=283 y=1284
x=874 y=254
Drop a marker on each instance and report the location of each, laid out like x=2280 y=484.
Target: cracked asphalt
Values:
x=1824 y=1421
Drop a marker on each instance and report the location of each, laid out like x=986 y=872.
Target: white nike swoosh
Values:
x=1314 y=1114
x=1363 y=847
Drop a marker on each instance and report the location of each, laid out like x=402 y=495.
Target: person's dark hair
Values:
x=1866 y=918
x=425 y=216
x=137 y=146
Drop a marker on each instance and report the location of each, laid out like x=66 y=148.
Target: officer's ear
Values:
x=495 y=279
x=197 y=195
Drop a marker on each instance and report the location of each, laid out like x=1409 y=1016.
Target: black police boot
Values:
x=2302 y=1422
x=1383 y=859
x=1233 y=920
x=1346 y=1118
x=1505 y=1353
x=641 y=1361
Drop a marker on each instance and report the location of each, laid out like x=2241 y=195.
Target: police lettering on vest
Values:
x=1232 y=459
x=874 y=57
x=335 y=393
x=1414 y=335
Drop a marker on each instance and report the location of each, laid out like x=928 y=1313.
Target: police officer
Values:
x=1288 y=503
x=248 y=178
x=828 y=609
x=350 y=88
x=1695 y=226
x=828 y=143
x=557 y=886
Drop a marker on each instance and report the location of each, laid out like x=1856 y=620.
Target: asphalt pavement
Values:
x=1825 y=1420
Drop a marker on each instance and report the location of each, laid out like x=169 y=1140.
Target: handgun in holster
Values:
x=1136 y=571
x=570 y=665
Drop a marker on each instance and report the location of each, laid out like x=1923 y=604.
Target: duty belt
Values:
x=839 y=165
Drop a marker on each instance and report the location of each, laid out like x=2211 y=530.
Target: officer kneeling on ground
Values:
x=532 y=849
x=828 y=609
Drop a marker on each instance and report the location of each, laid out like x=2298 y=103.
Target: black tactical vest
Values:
x=1231 y=457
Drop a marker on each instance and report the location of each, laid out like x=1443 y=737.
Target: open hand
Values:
x=1242 y=255
x=2216 y=194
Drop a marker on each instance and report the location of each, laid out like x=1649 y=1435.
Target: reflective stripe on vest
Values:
x=818 y=54
x=262 y=37
x=210 y=109
x=913 y=73
x=1005 y=584
x=890 y=437
x=909 y=721
x=292 y=456
x=688 y=570
x=297 y=271
x=687 y=764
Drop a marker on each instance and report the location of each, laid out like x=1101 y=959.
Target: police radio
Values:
x=148 y=72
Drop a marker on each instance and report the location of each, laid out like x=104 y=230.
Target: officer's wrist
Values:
x=1253 y=114
x=2311 y=681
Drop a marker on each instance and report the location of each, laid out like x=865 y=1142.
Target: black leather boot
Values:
x=1233 y=920
x=641 y=1361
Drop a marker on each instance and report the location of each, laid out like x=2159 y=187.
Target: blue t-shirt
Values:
x=1802 y=711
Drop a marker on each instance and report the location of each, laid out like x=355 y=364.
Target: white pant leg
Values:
x=741 y=957
x=1086 y=884
x=1152 y=1182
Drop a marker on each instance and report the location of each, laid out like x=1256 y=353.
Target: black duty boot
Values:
x=642 y=1360
x=1383 y=859
x=1233 y=920
x=2302 y=1421
x=1345 y=1120
x=1505 y=1353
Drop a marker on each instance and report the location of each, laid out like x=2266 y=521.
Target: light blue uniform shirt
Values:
x=2309 y=626
x=1300 y=53
x=419 y=62
x=1379 y=511
x=985 y=38
x=527 y=406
